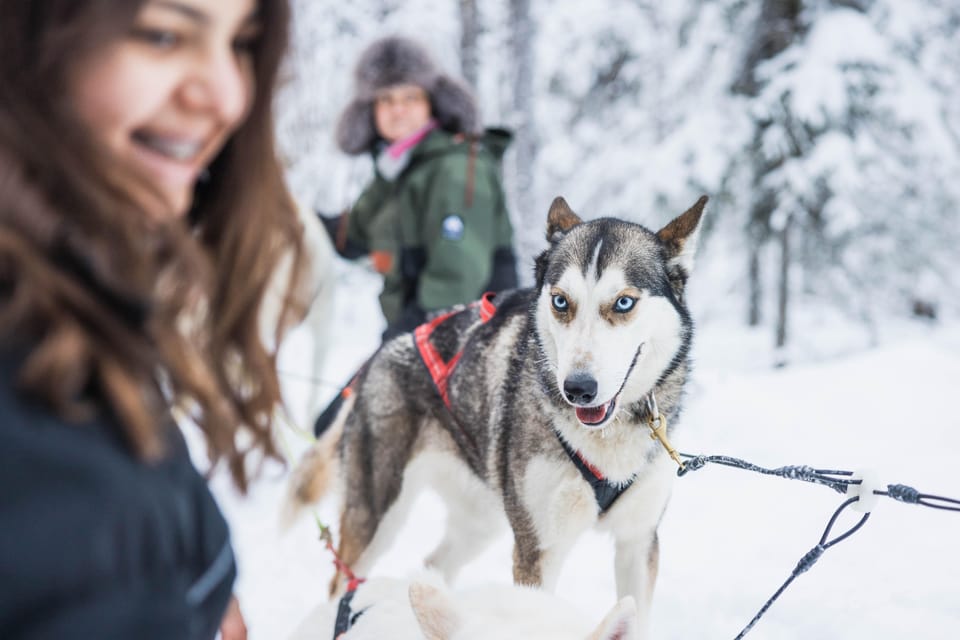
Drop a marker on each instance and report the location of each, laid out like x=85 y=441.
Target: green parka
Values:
x=439 y=231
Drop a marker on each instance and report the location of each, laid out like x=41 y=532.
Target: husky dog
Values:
x=426 y=608
x=534 y=405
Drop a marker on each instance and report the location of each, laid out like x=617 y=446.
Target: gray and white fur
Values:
x=574 y=357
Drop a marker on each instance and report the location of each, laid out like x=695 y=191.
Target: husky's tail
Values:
x=316 y=471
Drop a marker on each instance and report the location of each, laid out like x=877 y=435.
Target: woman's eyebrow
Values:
x=197 y=15
x=185 y=10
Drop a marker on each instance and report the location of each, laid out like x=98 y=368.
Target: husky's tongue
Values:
x=592 y=415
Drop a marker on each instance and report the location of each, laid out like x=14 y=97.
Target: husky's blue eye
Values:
x=624 y=304
x=560 y=303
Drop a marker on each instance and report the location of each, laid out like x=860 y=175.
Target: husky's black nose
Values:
x=580 y=388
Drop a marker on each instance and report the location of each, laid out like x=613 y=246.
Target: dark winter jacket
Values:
x=95 y=544
x=439 y=231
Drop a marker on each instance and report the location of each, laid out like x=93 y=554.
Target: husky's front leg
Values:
x=537 y=566
x=636 y=561
x=528 y=554
x=527 y=560
x=557 y=507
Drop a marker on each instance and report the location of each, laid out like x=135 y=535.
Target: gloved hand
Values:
x=410 y=318
x=346 y=248
x=331 y=224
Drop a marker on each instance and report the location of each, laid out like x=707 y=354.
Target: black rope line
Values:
x=791 y=472
x=903 y=493
x=836 y=479
x=809 y=559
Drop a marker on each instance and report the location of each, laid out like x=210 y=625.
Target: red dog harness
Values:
x=439 y=369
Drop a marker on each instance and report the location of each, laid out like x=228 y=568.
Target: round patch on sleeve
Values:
x=452 y=227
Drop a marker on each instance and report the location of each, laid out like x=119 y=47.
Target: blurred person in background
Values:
x=434 y=219
x=142 y=215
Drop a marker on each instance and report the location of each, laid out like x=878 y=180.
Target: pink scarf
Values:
x=393 y=160
x=398 y=148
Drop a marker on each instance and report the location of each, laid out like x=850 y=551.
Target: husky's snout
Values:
x=580 y=388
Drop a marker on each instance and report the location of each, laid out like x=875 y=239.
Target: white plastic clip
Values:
x=869 y=482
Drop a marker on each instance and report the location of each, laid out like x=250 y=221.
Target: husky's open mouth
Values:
x=596 y=416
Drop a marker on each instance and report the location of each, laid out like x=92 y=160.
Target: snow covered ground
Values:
x=729 y=537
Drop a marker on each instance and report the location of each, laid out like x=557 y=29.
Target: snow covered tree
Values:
x=634 y=107
x=521 y=162
x=851 y=164
x=777 y=26
x=470 y=28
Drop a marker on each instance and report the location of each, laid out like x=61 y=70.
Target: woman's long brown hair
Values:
x=108 y=311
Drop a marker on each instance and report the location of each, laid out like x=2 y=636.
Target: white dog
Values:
x=426 y=608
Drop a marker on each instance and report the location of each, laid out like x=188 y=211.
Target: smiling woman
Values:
x=162 y=101
x=142 y=215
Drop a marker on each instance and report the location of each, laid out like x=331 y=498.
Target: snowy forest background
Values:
x=826 y=132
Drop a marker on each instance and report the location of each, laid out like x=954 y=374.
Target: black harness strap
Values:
x=346 y=618
x=605 y=491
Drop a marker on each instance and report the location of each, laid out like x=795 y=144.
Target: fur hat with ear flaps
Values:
x=397 y=60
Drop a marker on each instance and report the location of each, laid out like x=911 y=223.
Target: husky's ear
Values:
x=540 y=269
x=619 y=624
x=560 y=219
x=435 y=612
x=680 y=237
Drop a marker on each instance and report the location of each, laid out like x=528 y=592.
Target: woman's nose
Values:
x=221 y=83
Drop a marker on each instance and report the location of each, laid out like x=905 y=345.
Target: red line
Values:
x=596 y=472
